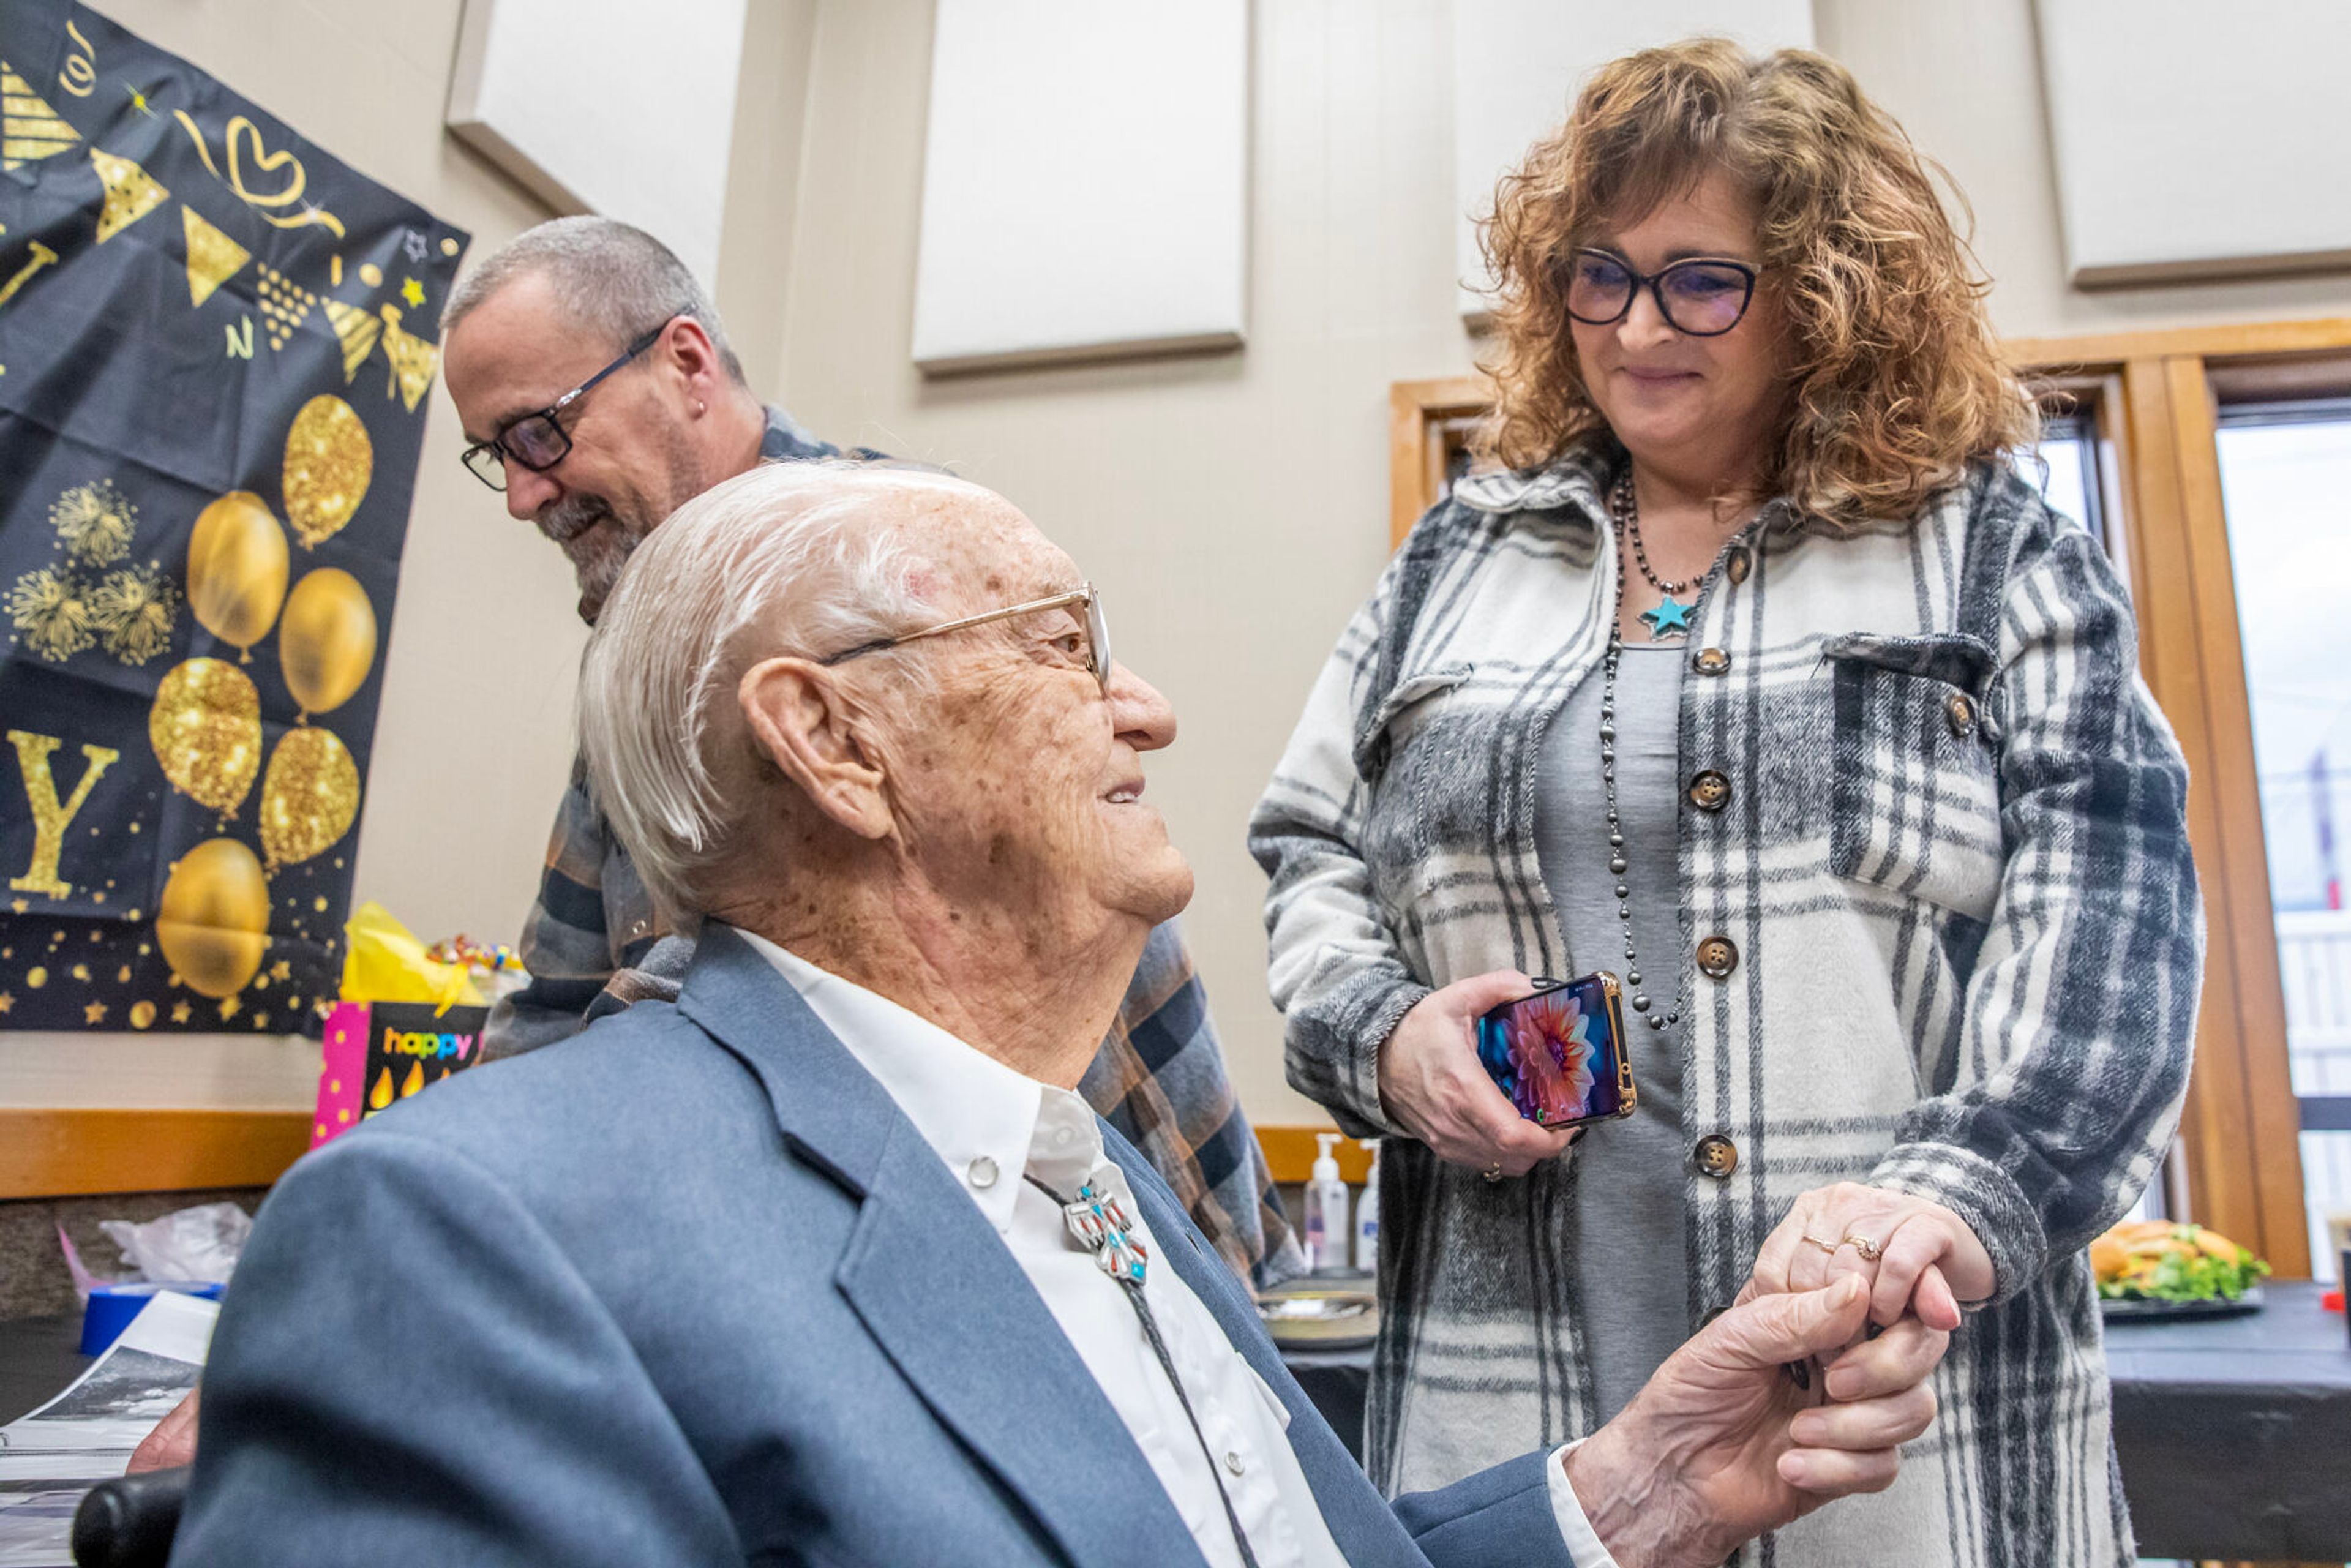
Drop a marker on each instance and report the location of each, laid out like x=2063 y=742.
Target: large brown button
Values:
x=1716 y=957
x=1711 y=662
x=1736 y=564
x=1717 y=1156
x=1709 y=791
x=1961 y=713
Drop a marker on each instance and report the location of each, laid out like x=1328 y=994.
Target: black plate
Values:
x=2144 y=1312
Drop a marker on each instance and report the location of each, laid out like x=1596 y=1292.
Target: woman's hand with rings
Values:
x=1433 y=1086
x=1914 y=1255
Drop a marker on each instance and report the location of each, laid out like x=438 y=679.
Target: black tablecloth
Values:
x=2235 y=1434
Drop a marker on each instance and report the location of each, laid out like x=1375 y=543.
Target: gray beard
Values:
x=598 y=540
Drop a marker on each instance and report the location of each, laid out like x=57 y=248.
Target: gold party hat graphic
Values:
x=130 y=193
x=357 y=329
x=29 y=129
x=412 y=358
x=213 y=257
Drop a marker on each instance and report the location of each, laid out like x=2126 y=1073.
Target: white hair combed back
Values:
x=788 y=558
x=613 y=279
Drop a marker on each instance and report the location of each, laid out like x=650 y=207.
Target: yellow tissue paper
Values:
x=385 y=963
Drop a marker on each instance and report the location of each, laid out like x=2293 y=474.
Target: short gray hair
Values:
x=771 y=562
x=615 y=280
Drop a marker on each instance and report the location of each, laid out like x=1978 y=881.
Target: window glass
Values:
x=2286 y=474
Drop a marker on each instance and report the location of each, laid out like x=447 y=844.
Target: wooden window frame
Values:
x=2152 y=398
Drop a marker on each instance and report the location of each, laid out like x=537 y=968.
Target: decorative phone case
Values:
x=1560 y=1054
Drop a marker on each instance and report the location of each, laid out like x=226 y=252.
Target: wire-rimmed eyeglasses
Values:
x=539 y=441
x=1097 y=652
x=1703 y=297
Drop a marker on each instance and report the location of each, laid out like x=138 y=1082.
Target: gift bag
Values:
x=406 y=1022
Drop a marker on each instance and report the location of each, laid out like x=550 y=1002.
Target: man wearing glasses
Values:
x=599 y=394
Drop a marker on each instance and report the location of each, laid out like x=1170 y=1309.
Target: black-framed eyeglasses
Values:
x=1703 y=297
x=539 y=441
x=1097 y=650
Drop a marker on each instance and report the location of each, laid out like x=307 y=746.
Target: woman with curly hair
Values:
x=1758 y=675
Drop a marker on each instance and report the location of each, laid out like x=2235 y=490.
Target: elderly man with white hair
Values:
x=825 y=1261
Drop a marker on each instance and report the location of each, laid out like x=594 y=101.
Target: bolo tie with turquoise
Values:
x=1099 y=1222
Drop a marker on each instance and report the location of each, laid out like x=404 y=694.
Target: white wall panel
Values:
x=608 y=106
x=1517 y=64
x=2195 y=141
x=1085 y=181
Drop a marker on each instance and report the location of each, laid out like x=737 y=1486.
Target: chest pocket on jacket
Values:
x=1915 y=789
x=1405 y=755
x=1390 y=726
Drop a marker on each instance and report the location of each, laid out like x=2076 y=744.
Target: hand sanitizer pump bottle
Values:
x=1326 y=1210
x=1367 y=1216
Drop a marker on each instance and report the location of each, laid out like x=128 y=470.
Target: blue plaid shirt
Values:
x=593 y=944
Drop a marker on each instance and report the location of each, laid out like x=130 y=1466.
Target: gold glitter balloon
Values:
x=326 y=643
x=142 y=1014
x=328 y=462
x=309 y=797
x=214 y=924
x=205 y=727
x=237 y=569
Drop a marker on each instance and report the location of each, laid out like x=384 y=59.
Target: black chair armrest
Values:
x=130 y=1523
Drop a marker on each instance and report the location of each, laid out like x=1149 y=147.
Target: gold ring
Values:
x=1492 y=1172
x=1828 y=1246
x=1867 y=1248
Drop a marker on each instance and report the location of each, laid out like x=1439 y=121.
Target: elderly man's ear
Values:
x=816 y=733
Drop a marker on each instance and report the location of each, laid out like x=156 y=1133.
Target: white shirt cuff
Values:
x=1582 y=1544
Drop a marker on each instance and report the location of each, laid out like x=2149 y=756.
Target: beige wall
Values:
x=1964 y=78
x=1233 y=507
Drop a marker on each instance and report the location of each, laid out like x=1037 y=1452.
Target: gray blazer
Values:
x=690 y=1289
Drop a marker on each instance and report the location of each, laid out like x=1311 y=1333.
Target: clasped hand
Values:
x=1722 y=1446
x=1914 y=1255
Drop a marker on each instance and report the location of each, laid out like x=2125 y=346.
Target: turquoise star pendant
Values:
x=1671 y=616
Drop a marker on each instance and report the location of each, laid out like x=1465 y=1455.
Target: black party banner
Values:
x=215 y=343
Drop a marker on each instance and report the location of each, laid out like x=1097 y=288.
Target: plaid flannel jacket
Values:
x=593 y=943
x=1950 y=846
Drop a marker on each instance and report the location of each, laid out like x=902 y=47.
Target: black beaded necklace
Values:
x=1624 y=512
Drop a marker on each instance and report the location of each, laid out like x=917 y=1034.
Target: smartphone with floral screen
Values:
x=1558 y=1054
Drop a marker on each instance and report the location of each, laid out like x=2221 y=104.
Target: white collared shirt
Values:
x=995 y=1127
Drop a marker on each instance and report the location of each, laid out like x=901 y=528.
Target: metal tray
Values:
x=1320 y=1317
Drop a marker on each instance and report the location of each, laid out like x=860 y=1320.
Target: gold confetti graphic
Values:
x=134 y=611
x=213 y=257
x=29 y=129
x=50 y=611
x=130 y=193
x=357 y=329
x=283 y=306
x=94 y=522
